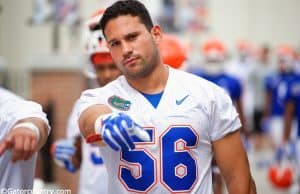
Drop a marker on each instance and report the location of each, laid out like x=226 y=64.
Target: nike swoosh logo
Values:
x=176 y=116
x=179 y=102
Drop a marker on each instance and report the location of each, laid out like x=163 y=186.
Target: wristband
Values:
x=96 y=136
x=30 y=126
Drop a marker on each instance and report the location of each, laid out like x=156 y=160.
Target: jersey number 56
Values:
x=177 y=169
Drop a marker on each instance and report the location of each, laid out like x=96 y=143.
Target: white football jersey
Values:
x=191 y=114
x=17 y=175
x=93 y=175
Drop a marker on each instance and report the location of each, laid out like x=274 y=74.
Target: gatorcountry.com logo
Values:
x=119 y=103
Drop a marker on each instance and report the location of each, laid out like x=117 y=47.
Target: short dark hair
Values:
x=127 y=7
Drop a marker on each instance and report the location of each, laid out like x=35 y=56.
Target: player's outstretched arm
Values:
x=87 y=121
x=233 y=163
x=25 y=138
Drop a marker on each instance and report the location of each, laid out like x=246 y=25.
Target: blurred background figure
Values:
x=292 y=110
x=60 y=11
x=242 y=67
x=262 y=68
x=43 y=10
x=276 y=85
x=73 y=152
x=213 y=69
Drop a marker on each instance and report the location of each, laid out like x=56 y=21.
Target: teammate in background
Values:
x=23 y=131
x=262 y=69
x=214 y=57
x=243 y=69
x=292 y=109
x=213 y=69
x=72 y=152
x=275 y=93
x=159 y=127
x=285 y=109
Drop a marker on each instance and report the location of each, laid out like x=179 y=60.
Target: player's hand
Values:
x=22 y=142
x=117 y=130
x=64 y=151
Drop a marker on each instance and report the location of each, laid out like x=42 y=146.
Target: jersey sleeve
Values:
x=89 y=98
x=224 y=117
x=13 y=109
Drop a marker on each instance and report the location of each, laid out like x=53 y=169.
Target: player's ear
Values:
x=156 y=33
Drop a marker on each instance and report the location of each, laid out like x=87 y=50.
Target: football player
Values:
x=23 y=131
x=276 y=86
x=158 y=128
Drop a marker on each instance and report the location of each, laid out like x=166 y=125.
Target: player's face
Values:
x=133 y=48
x=285 y=65
x=213 y=66
x=106 y=72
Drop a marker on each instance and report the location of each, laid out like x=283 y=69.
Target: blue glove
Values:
x=285 y=151
x=64 y=150
x=117 y=130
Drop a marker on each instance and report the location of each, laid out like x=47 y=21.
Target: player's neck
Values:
x=153 y=83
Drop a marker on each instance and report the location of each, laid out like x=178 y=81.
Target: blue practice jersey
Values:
x=227 y=82
x=293 y=93
x=277 y=85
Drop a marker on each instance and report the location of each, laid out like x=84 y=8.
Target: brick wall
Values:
x=59 y=88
